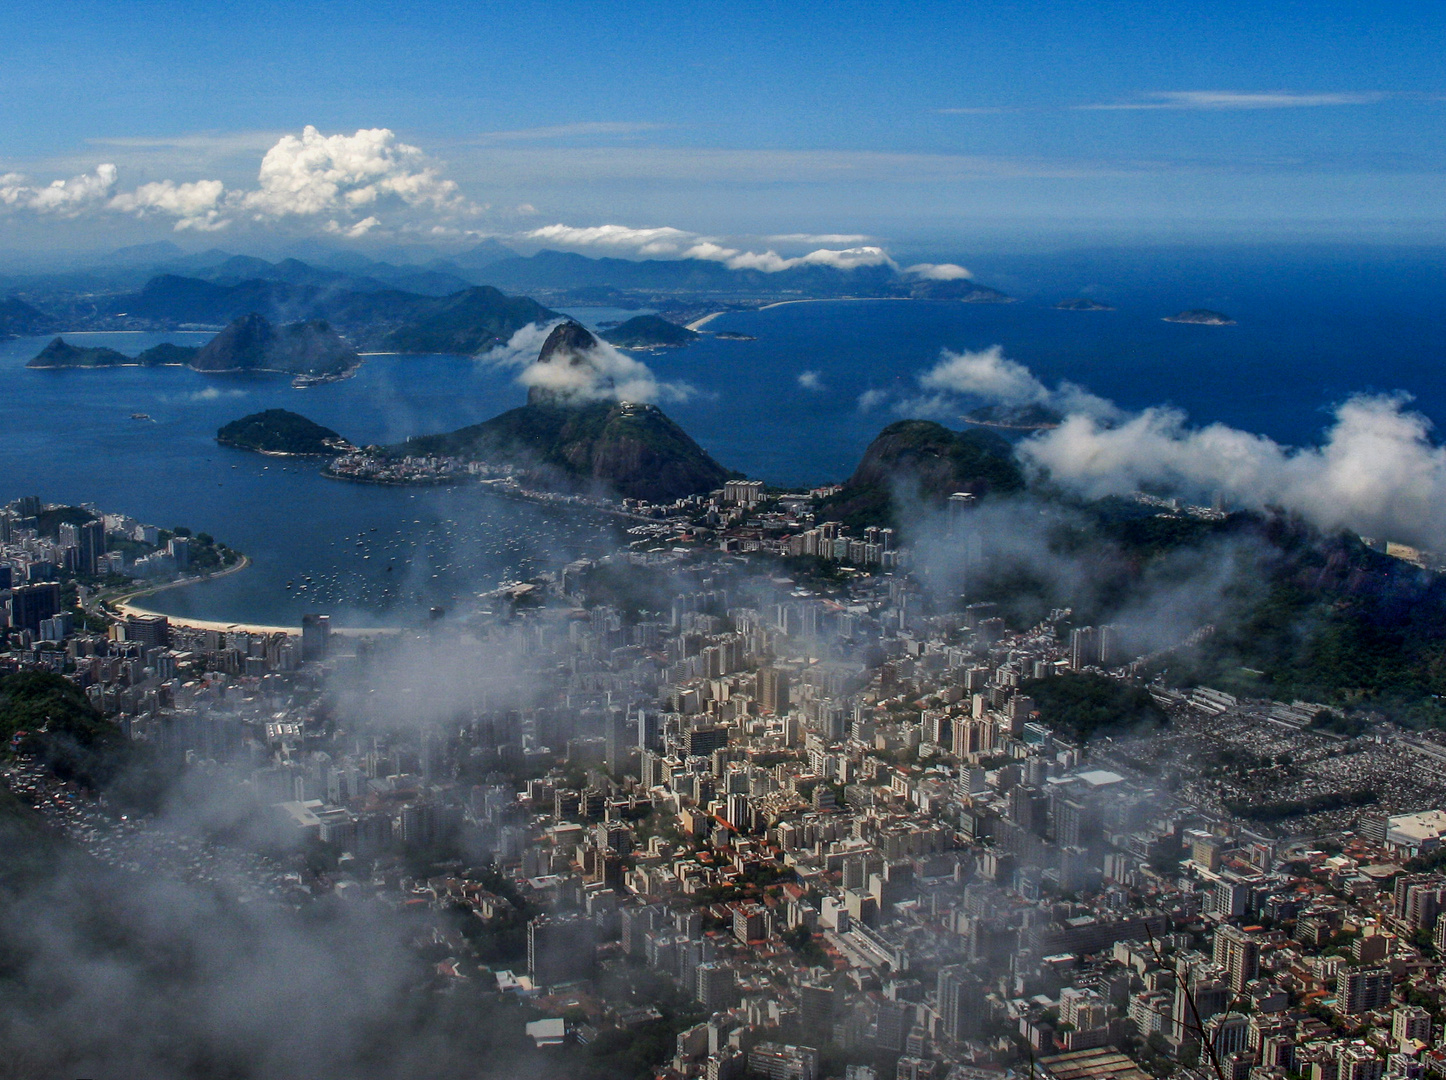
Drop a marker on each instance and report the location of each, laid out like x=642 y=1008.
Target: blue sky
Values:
x=918 y=125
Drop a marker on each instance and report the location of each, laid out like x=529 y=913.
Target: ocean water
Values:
x=369 y=555
x=1314 y=327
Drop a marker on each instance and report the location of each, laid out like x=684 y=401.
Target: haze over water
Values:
x=1313 y=328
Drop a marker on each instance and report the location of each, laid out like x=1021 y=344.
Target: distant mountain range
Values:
x=19 y=319
x=467 y=321
x=549 y=271
x=457 y=305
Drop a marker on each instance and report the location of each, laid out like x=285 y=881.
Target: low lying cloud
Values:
x=602 y=373
x=196 y=205
x=811 y=380
x=938 y=271
x=521 y=348
x=669 y=243
x=817 y=238
x=618 y=239
x=987 y=373
x=1377 y=472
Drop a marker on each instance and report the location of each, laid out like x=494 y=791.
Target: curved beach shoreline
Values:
x=126 y=605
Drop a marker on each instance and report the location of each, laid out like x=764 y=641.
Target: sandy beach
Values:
x=127 y=605
x=704 y=321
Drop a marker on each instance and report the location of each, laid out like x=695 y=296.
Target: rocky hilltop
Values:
x=251 y=343
x=283 y=433
x=922 y=459
x=649 y=332
x=635 y=451
x=558 y=441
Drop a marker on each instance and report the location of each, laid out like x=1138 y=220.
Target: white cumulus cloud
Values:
x=194 y=205
x=346 y=181
x=811 y=380
x=352 y=231
x=66 y=198
x=961 y=378
x=322 y=174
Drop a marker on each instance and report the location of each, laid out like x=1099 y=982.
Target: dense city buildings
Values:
x=833 y=828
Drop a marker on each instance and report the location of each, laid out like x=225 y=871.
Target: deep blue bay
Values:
x=1313 y=328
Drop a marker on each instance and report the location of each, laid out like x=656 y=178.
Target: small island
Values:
x=958 y=289
x=312 y=352
x=649 y=332
x=732 y=335
x=305 y=349
x=1201 y=317
x=61 y=354
x=281 y=433
x=1082 y=303
x=1014 y=417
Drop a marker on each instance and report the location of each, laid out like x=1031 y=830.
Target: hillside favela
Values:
x=822 y=544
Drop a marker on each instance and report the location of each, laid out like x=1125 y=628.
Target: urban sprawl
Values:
x=831 y=817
